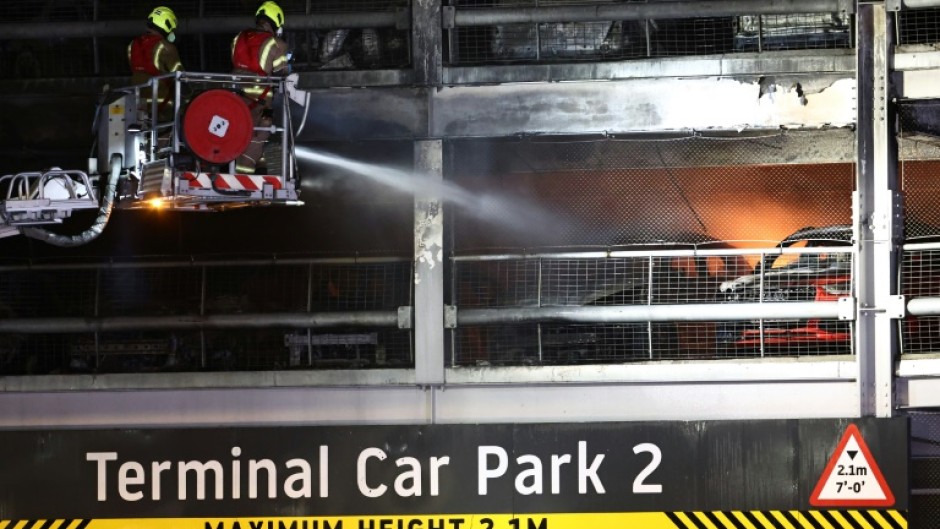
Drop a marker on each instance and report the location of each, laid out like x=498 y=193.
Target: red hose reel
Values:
x=217 y=126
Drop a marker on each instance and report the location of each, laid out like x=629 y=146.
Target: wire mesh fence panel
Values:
x=36 y=59
x=798 y=31
x=920 y=278
x=360 y=287
x=273 y=288
x=497 y=283
x=149 y=291
x=244 y=350
x=918 y=26
x=115 y=294
x=350 y=348
x=631 y=39
x=921 y=194
x=134 y=352
x=38 y=354
x=613 y=192
x=919 y=162
x=47 y=293
x=667 y=221
x=714 y=279
x=925 y=467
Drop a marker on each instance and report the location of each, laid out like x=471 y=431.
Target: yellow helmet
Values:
x=272 y=12
x=163 y=18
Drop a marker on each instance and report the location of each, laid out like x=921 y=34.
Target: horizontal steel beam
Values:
x=196 y=263
x=640 y=11
x=129 y=28
x=654 y=313
x=195 y=322
x=924 y=306
x=919 y=4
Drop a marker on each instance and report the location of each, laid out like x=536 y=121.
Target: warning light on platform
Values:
x=156 y=203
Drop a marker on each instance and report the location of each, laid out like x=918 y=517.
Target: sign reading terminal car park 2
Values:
x=495 y=476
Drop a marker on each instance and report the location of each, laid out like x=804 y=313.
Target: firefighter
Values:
x=154 y=53
x=260 y=51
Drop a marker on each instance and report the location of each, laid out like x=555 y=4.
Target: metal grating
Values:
x=628 y=39
x=925 y=468
x=920 y=277
x=918 y=26
x=177 y=289
x=921 y=196
x=611 y=192
x=36 y=354
x=799 y=31
x=696 y=276
x=633 y=221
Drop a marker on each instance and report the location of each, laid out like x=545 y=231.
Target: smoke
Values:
x=511 y=213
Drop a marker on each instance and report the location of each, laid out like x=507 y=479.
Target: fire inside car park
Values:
x=499 y=476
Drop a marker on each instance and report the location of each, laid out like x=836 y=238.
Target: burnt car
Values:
x=796 y=31
x=794 y=277
x=645 y=274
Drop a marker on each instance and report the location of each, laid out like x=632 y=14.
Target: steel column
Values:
x=429 y=267
x=876 y=215
x=427 y=42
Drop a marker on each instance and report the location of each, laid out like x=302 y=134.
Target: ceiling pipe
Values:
x=206 y=25
x=196 y=322
x=655 y=313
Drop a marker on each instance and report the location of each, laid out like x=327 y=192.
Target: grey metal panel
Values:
x=916 y=56
x=244 y=379
x=634 y=105
x=337 y=78
x=787 y=62
x=919 y=392
x=776 y=370
x=365 y=114
x=208 y=407
x=918 y=382
x=414 y=405
x=757 y=370
x=640 y=105
x=661 y=402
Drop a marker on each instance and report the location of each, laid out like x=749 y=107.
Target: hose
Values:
x=104 y=213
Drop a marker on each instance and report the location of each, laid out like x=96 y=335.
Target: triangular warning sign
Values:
x=852 y=477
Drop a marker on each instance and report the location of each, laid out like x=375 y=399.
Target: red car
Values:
x=812 y=276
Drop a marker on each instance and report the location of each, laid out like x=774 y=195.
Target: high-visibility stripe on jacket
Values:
x=251 y=49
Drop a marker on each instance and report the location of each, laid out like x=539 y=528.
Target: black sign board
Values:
x=432 y=470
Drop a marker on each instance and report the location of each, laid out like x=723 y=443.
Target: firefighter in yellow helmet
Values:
x=154 y=53
x=260 y=51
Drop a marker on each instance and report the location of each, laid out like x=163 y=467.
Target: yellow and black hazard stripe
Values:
x=816 y=519
x=45 y=524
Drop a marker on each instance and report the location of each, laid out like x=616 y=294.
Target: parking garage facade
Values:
x=523 y=221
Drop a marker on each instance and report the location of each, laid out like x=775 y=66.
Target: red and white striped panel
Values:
x=234 y=182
